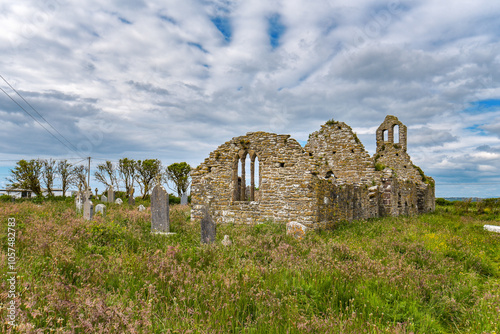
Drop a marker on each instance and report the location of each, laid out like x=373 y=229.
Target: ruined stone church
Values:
x=331 y=178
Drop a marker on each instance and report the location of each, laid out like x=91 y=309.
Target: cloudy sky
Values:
x=174 y=79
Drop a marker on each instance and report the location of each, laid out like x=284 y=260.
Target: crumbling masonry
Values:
x=332 y=178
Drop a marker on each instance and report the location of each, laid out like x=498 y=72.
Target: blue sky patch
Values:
x=123 y=20
x=476 y=128
x=198 y=46
x=483 y=106
x=276 y=30
x=167 y=19
x=223 y=24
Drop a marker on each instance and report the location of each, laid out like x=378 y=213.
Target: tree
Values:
x=48 y=174
x=67 y=173
x=26 y=175
x=127 y=170
x=179 y=174
x=79 y=178
x=146 y=172
x=106 y=174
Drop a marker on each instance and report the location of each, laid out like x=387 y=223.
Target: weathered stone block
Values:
x=296 y=230
x=208 y=229
x=159 y=210
x=492 y=228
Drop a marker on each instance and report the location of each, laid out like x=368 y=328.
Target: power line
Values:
x=74 y=147
x=1 y=76
x=37 y=121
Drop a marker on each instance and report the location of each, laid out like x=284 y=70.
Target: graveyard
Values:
x=438 y=272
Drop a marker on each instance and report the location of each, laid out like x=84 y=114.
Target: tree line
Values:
x=36 y=174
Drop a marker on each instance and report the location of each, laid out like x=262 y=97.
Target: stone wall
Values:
x=285 y=190
x=332 y=178
x=340 y=155
x=412 y=190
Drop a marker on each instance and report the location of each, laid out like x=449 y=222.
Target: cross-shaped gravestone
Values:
x=78 y=204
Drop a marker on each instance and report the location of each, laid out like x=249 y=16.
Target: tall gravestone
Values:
x=184 y=199
x=78 y=204
x=88 y=210
x=159 y=210
x=208 y=228
x=131 y=199
x=111 y=194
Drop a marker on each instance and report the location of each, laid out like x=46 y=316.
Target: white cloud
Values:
x=174 y=88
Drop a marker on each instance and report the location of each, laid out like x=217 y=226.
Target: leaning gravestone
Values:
x=184 y=199
x=208 y=229
x=159 y=210
x=119 y=201
x=141 y=208
x=104 y=199
x=88 y=210
x=111 y=194
x=100 y=208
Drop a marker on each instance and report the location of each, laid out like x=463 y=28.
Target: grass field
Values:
x=434 y=273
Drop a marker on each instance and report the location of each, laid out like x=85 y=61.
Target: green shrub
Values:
x=6 y=198
x=379 y=166
x=443 y=202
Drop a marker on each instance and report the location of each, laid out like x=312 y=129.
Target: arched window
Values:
x=385 y=135
x=395 y=131
x=236 y=178
x=254 y=178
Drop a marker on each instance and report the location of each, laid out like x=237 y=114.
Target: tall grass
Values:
x=434 y=273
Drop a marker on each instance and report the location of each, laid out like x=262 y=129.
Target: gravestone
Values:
x=208 y=229
x=296 y=230
x=142 y=208
x=111 y=194
x=159 y=210
x=100 y=208
x=96 y=192
x=88 y=210
x=131 y=199
x=226 y=241
x=104 y=199
x=184 y=199
x=119 y=201
x=79 y=205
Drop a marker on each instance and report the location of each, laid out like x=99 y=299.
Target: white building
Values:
x=26 y=193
